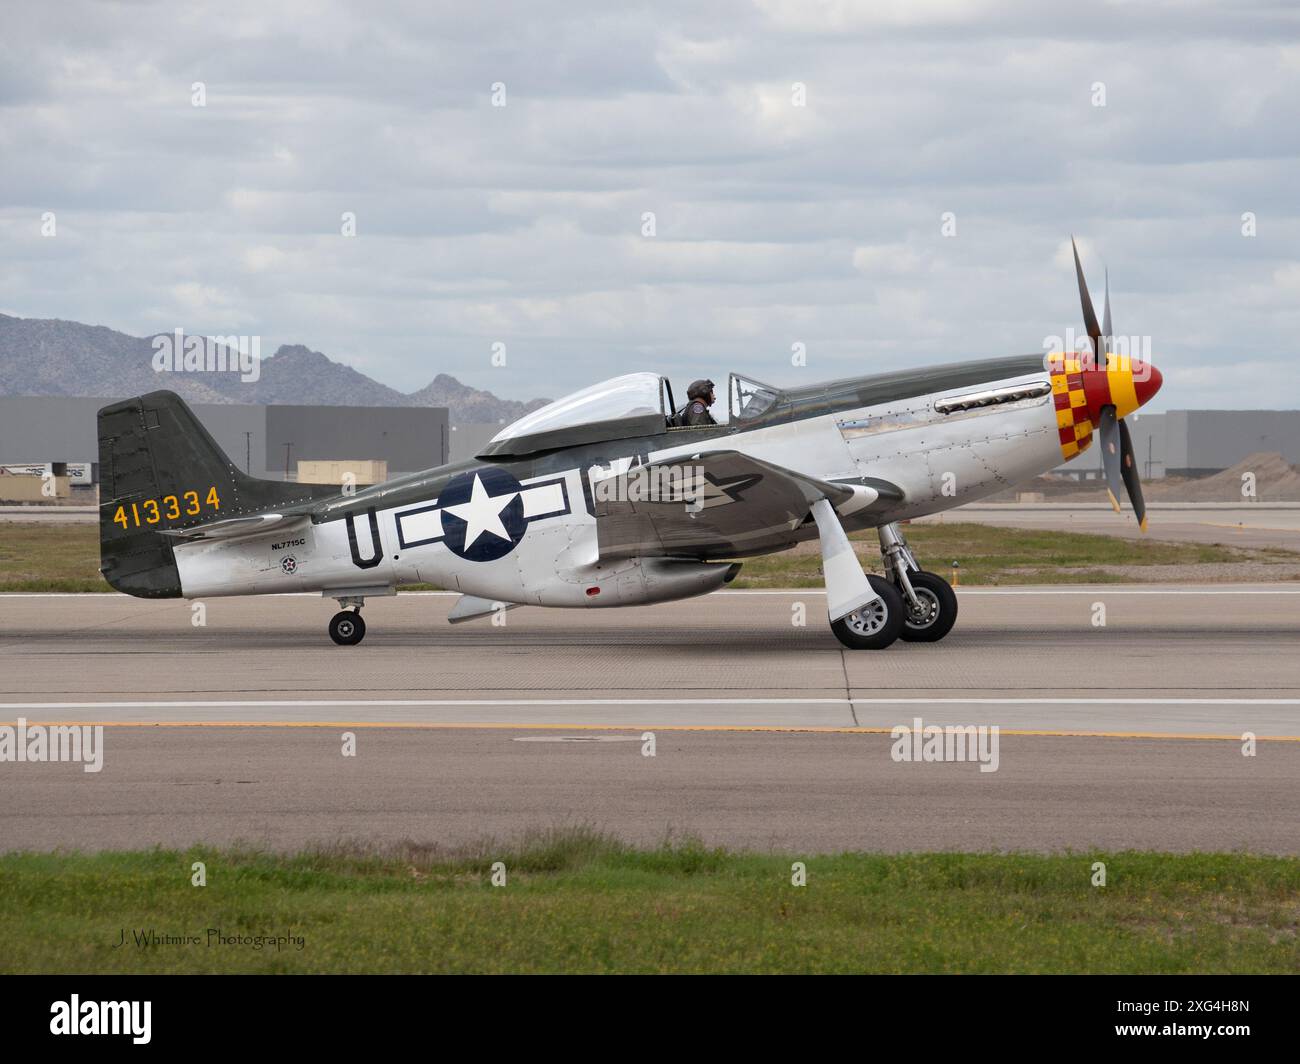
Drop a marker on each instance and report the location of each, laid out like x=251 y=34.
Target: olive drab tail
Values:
x=160 y=471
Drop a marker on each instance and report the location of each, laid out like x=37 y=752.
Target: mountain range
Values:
x=48 y=356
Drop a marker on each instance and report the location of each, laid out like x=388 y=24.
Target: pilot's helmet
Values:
x=699 y=390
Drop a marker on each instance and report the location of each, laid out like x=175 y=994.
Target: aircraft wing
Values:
x=717 y=504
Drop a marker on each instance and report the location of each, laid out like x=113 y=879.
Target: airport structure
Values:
x=467 y=439
x=1197 y=443
x=265 y=441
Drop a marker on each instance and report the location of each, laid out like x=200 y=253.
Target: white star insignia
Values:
x=482 y=514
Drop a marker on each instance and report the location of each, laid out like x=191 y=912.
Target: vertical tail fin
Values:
x=161 y=469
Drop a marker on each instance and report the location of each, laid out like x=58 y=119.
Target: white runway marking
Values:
x=418 y=702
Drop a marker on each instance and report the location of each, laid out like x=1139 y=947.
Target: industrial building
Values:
x=1197 y=443
x=467 y=440
x=268 y=440
x=265 y=441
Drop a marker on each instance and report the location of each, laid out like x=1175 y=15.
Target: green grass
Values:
x=58 y=557
x=49 y=557
x=991 y=555
x=578 y=902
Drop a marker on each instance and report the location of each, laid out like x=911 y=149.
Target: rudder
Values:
x=161 y=469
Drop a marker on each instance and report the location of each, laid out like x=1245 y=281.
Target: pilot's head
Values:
x=701 y=390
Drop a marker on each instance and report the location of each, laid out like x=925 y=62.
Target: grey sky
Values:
x=776 y=224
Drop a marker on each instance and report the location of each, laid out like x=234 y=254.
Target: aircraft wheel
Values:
x=877 y=624
x=347 y=629
x=939 y=603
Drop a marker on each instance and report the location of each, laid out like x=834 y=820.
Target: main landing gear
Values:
x=347 y=628
x=929 y=600
x=875 y=625
x=870 y=612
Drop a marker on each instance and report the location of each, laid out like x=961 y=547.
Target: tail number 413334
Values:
x=168 y=508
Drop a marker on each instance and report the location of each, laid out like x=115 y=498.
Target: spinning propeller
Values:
x=1115 y=386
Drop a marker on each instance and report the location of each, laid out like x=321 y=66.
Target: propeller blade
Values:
x=1110 y=458
x=1089 y=315
x=1128 y=466
x=1106 y=334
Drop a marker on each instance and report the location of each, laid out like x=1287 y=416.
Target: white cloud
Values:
x=775 y=223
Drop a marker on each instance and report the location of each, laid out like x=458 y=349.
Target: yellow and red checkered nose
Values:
x=1080 y=391
x=1073 y=420
x=1125 y=383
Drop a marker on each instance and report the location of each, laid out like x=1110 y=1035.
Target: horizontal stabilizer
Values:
x=237 y=527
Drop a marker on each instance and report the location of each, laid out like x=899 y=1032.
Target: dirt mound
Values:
x=1274 y=481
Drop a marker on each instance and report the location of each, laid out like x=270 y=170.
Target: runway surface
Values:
x=59 y=515
x=767 y=733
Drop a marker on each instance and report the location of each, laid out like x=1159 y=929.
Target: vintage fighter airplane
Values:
x=603 y=499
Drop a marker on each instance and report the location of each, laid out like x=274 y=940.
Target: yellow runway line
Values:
x=1241 y=527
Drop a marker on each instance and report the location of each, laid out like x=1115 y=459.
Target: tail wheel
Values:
x=875 y=625
x=347 y=629
x=938 y=609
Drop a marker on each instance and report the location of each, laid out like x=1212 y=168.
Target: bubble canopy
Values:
x=619 y=408
x=631 y=395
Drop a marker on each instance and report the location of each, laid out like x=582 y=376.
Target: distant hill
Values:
x=54 y=357
x=474 y=405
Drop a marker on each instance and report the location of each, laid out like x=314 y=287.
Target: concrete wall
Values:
x=1197 y=442
x=410 y=439
x=1150 y=434
x=62 y=429
x=1176 y=430
x=1217 y=439
x=48 y=429
x=228 y=424
x=16 y=488
x=468 y=439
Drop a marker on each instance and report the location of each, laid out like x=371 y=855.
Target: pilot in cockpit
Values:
x=699 y=398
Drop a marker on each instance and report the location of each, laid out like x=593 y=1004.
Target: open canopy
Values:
x=748 y=399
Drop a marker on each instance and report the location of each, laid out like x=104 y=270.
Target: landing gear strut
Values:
x=928 y=600
x=866 y=612
x=347 y=628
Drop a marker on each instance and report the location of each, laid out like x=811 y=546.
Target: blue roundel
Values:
x=482 y=514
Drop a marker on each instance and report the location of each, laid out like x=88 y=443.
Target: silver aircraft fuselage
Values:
x=526 y=524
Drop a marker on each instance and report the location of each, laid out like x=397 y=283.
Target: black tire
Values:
x=877 y=624
x=937 y=594
x=347 y=629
